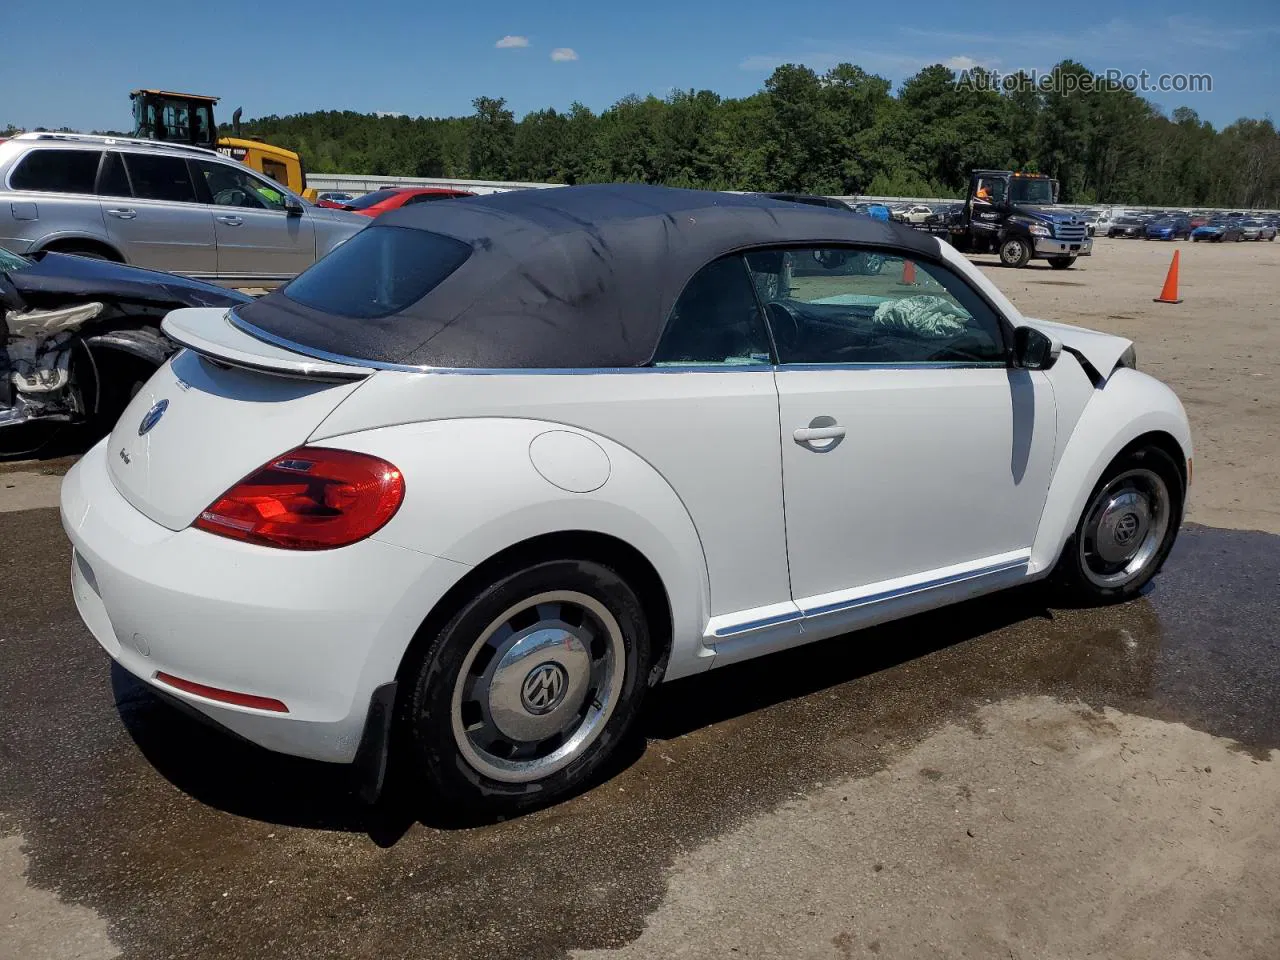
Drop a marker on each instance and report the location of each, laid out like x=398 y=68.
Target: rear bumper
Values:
x=1049 y=247
x=318 y=631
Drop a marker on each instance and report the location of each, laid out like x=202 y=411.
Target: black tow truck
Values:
x=1005 y=213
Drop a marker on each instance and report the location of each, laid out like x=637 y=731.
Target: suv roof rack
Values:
x=112 y=140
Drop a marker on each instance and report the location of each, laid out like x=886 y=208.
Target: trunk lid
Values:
x=216 y=412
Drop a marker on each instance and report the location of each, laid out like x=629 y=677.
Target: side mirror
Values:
x=1034 y=350
x=293 y=206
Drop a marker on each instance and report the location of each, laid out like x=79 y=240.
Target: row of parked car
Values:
x=1181 y=225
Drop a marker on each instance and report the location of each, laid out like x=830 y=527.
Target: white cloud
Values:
x=961 y=63
x=510 y=41
x=561 y=54
x=389 y=113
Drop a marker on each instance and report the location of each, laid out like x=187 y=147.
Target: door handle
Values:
x=229 y=221
x=122 y=213
x=810 y=434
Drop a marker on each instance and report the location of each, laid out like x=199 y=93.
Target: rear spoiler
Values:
x=209 y=332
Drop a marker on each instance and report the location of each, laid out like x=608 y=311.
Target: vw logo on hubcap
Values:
x=1126 y=527
x=544 y=688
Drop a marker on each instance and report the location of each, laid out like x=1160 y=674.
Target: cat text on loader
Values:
x=188 y=118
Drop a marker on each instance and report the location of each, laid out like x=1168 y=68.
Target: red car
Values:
x=380 y=201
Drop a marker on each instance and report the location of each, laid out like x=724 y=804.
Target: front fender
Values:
x=1130 y=405
x=472 y=490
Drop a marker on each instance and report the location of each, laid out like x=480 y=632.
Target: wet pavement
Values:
x=192 y=844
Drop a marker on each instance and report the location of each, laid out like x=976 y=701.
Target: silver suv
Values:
x=163 y=206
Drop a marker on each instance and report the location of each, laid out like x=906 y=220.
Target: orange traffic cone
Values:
x=908 y=274
x=1170 y=292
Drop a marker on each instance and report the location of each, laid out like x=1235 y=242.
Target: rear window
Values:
x=369 y=199
x=57 y=171
x=378 y=272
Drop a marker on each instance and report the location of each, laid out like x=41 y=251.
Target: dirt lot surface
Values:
x=998 y=780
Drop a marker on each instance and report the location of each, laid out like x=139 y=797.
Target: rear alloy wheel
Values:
x=1127 y=529
x=528 y=688
x=1015 y=252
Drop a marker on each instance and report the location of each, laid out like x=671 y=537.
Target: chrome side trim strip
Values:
x=777 y=620
x=318 y=354
x=812 y=614
x=828 y=609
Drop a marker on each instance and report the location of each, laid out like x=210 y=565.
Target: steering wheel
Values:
x=231 y=197
x=785 y=323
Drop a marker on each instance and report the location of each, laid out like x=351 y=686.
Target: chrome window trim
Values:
x=258 y=333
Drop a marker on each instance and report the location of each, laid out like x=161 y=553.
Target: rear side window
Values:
x=57 y=171
x=112 y=181
x=157 y=177
x=378 y=272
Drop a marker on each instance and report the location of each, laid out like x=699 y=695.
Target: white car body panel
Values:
x=879 y=503
x=1131 y=404
x=172 y=472
x=497 y=499
x=297 y=626
x=713 y=437
x=1102 y=350
x=760 y=543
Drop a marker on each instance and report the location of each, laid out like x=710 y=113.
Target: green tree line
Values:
x=841 y=132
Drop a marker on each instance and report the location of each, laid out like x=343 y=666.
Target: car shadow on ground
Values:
x=229 y=774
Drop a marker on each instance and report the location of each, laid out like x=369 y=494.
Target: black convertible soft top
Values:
x=570 y=277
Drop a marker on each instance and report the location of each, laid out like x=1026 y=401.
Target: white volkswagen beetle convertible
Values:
x=480 y=478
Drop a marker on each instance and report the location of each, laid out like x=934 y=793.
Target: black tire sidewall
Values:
x=1070 y=572
x=1023 y=257
x=426 y=701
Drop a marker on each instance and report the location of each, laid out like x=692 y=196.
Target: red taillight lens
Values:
x=312 y=498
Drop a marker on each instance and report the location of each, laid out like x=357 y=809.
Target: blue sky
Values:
x=75 y=68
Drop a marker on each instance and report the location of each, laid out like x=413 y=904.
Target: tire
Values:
x=493 y=729
x=1062 y=263
x=1015 y=252
x=1138 y=501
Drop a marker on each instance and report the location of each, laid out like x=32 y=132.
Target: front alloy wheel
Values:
x=1124 y=528
x=1127 y=529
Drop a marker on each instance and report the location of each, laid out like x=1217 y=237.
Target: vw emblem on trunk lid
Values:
x=152 y=416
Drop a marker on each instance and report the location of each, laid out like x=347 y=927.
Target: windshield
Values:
x=1031 y=190
x=369 y=199
x=11 y=261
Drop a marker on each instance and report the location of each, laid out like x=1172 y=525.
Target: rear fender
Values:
x=1130 y=405
x=472 y=490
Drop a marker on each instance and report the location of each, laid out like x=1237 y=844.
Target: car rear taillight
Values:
x=312 y=498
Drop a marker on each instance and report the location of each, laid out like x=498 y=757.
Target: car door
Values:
x=911 y=452
x=161 y=224
x=259 y=241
